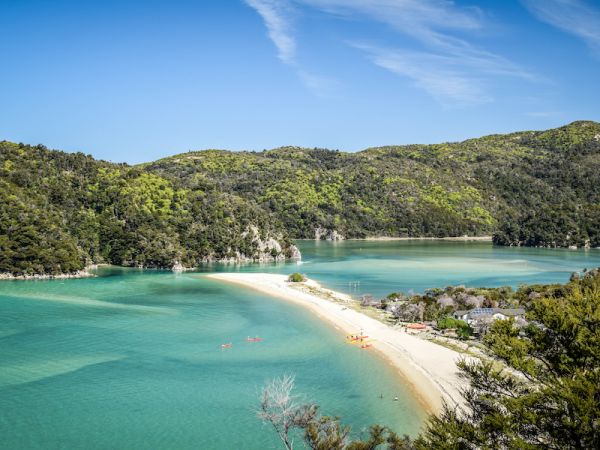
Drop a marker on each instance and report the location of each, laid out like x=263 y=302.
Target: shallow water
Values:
x=382 y=267
x=131 y=359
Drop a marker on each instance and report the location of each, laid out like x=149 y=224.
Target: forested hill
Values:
x=526 y=188
x=61 y=211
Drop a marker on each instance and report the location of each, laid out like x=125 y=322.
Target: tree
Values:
x=408 y=312
x=548 y=395
x=296 y=278
x=462 y=328
x=326 y=433
x=280 y=408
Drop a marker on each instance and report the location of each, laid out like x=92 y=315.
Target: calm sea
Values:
x=132 y=359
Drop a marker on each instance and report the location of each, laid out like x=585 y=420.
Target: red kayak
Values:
x=358 y=338
x=254 y=339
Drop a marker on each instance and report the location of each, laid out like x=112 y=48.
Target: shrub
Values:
x=296 y=278
x=463 y=330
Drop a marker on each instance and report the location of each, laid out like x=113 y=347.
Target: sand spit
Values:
x=428 y=368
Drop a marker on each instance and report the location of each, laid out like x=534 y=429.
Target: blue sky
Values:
x=137 y=80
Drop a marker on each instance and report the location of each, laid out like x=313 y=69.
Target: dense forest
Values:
x=527 y=188
x=61 y=211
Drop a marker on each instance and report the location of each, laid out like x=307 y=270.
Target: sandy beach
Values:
x=428 y=368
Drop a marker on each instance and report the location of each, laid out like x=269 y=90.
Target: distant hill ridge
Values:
x=62 y=211
x=526 y=188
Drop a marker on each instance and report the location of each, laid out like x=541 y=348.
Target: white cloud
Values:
x=439 y=76
x=446 y=66
x=405 y=14
x=275 y=14
x=278 y=16
x=449 y=68
x=427 y=21
x=458 y=77
x=572 y=16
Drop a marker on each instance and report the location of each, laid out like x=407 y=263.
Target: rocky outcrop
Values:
x=294 y=253
x=267 y=249
x=324 y=234
x=178 y=267
x=79 y=274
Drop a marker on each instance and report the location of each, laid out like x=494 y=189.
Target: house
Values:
x=480 y=319
x=472 y=315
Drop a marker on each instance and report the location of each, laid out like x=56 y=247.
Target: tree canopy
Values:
x=547 y=394
x=60 y=211
x=541 y=390
x=527 y=188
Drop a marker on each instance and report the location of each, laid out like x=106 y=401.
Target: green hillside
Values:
x=527 y=188
x=60 y=211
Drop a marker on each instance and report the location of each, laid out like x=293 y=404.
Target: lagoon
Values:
x=131 y=359
x=381 y=267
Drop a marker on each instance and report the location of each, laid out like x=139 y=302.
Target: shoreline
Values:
x=406 y=238
x=429 y=369
x=424 y=238
x=83 y=273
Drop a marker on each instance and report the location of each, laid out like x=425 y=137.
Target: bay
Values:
x=132 y=359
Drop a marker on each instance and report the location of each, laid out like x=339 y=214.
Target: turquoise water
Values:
x=131 y=359
x=379 y=268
